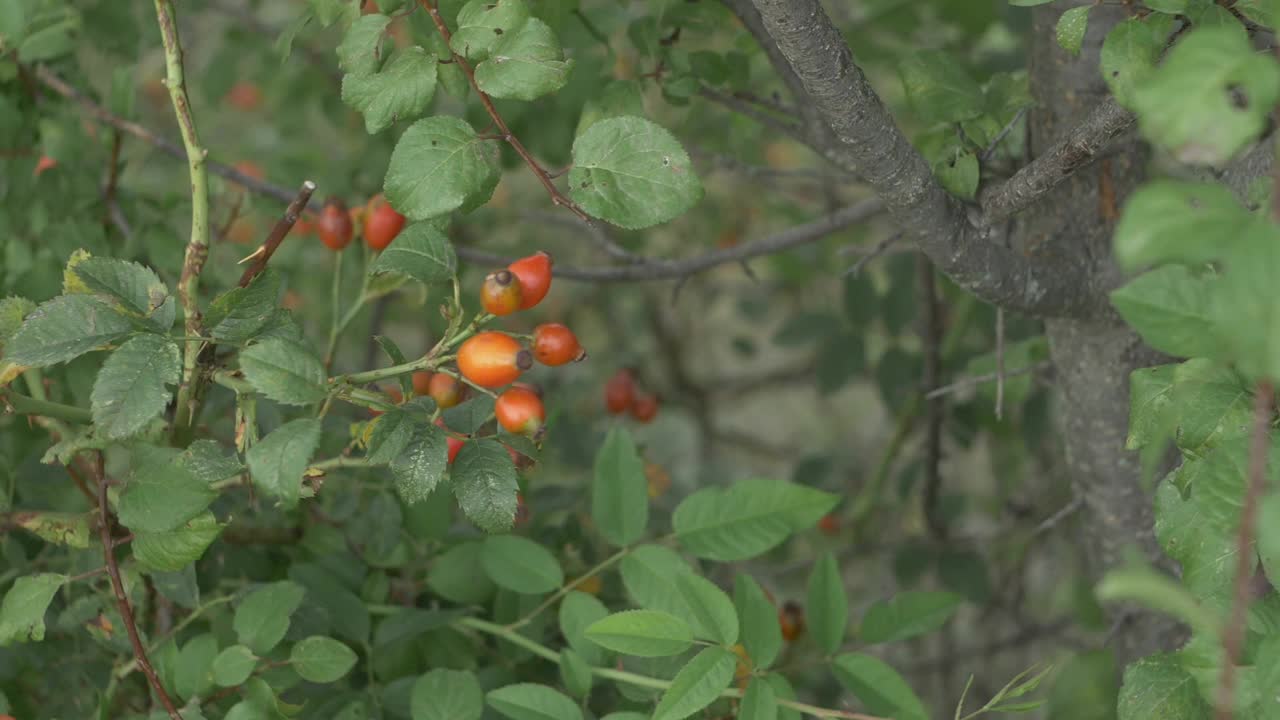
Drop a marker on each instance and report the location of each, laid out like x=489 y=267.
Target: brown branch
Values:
x=538 y=170
x=278 y=233
x=122 y=600
x=1233 y=638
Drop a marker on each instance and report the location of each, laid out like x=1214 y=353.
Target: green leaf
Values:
x=1173 y=7
x=632 y=173
x=470 y=416
x=135 y=289
x=193 y=674
x=70 y=529
x=761 y=635
x=420 y=467
x=1071 y=28
x=1158 y=687
x=1212 y=402
x=879 y=687
x=520 y=565
x=162 y=494
x=172 y=550
x=453 y=575
x=615 y=99
x=233 y=666
x=1150 y=403
x=1170 y=309
x=1029 y=3
x=13 y=310
x=1172 y=221
x=748 y=518
x=402 y=90
x=447 y=695
x=321 y=659
x=421 y=252
x=907 y=615
x=1129 y=54
x=209 y=462
x=359 y=51
x=759 y=702
x=958 y=172
x=575 y=673
x=392 y=432
x=131 y=389
x=938 y=88
x=438 y=166
x=525 y=64
x=649 y=573
x=527 y=701
x=578 y=611
x=262 y=618
x=65 y=328
x=482 y=24
x=643 y=633
x=1269 y=537
x=1224 y=91
x=1157 y=591
x=484 y=481
x=278 y=461
x=1243 y=314
x=713 y=612
x=828 y=606
x=284 y=371
x=24 y=606
x=697 y=685
x=240 y=314
x=619 y=491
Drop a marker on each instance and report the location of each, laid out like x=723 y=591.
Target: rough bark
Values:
x=1094 y=356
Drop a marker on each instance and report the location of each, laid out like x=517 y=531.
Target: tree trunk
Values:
x=1093 y=357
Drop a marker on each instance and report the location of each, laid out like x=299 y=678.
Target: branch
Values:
x=870 y=145
x=122 y=600
x=968 y=382
x=931 y=335
x=278 y=233
x=23 y=405
x=748 y=109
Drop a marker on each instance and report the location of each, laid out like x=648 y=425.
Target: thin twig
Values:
x=122 y=600
x=1000 y=136
x=278 y=233
x=876 y=252
x=1065 y=512
x=1000 y=363
x=931 y=334
x=113 y=177
x=969 y=382
x=748 y=109
x=1233 y=638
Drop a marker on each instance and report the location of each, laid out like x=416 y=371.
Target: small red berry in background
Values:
x=620 y=392
x=455 y=444
x=493 y=359
x=501 y=293
x=829 y=525
x=397 y=397
x=447 y=390
x=554 y=344
x=422 y=382
x=244 y=96
x=534 y=273
x=791 y=619
x=381 y=223
x=519 y=411
x=334 y=226
x=645 y=407
x=44 y=163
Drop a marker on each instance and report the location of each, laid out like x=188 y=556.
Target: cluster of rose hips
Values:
x=622 y=394
x=336 y=224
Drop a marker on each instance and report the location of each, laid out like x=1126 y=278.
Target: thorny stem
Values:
x=117 y=585
x=278 y=233
x=198 y=245
x=504 y=131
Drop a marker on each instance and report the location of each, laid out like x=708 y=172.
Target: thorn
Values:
x=262 y=249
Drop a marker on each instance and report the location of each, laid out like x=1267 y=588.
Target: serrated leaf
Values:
x=391 y=434
x=483 y=23
x=908 y=614
x=470 y=416
x=1224 y=88
x=420 y=252
x=209 y=462
x=747 y=518
x=1071 y=28
x=1129 y=54
x=1150 y=403
x=22 y=611
x=938 y=87
x=619 y=490
x=1158 y=686
x=134 y=288
x=633 y=173
x=527 y=701
x=484 y=481
x=284 y=371
x=61 y=528
x=758 y=621
x=438 y=166
x=172 y=550
x=447 y=695
x=1170 y=309
x=643 y=633
x=321 y=659
x=1212 y=402
x=525 y=64
x=1172 y=221
x=421 y=465
x=161 y=494
x=359 y=50
x=879 y=687
x=712 y=610
x=697 y=685
x=13 y=310
x=520 y=565
x=233 y=665
x=65 y=328
x=262 y=618
x=242 y=313
x=828 y=605
x=649 y=573
x=131 y=389
x=278 y=461
x=401 y=90
x=617 y=98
